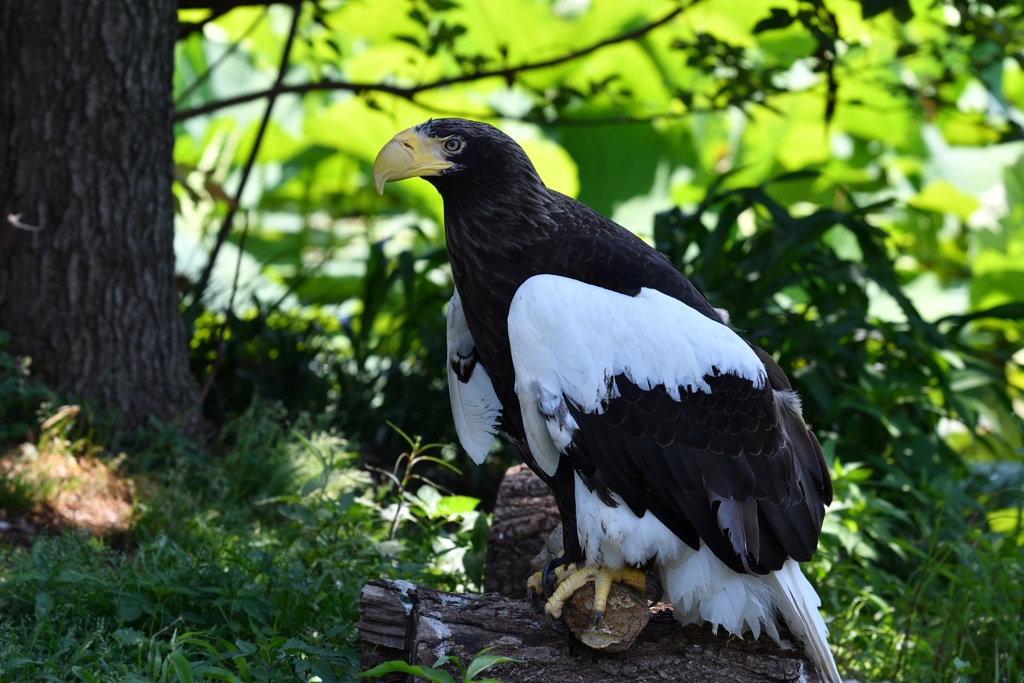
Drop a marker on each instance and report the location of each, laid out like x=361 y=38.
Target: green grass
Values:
x=246 y=566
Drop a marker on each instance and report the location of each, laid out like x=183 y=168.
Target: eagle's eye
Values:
x=453 y=145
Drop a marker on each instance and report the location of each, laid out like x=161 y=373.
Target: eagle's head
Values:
x=458 y=157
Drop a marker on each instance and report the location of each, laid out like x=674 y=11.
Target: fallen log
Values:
x=417 y=625
x=414 y=624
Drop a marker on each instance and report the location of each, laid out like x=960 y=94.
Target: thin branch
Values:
x=220 y=60
x=224 y=6
x=409 y=92
x=229 y=319
x=225 y=228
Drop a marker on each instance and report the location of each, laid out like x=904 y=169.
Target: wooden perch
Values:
x=415 y=624
x=399 y=620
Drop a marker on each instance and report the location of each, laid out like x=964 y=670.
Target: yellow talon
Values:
x=535 y=583
x=603 y=577
x=536 y=580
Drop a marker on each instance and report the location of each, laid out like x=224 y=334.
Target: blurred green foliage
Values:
x=20 y=394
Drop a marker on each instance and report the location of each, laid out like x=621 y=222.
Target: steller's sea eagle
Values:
x=668 y=441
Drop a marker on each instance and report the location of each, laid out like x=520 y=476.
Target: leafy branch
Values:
x=410 y=92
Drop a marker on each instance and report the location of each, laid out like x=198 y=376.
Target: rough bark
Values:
x=415 y=624
x=525 y=514
x=86 y=155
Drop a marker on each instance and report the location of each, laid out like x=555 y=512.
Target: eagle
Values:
x=669 y=442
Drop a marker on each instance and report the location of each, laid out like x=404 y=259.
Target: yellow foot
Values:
x=610 y=618
x=570 y=579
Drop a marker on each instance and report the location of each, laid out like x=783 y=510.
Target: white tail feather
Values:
x=700 y=586
x=798 y=604
x=703 y=589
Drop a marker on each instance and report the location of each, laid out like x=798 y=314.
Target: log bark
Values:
x=415 y=624
x=401 y=621
x=525 y=514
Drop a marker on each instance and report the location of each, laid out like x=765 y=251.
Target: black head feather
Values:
x=488 y=161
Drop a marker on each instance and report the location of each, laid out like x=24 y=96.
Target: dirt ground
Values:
x=47 y=491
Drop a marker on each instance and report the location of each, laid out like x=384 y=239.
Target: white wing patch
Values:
x=475 y=406
x=571 y=339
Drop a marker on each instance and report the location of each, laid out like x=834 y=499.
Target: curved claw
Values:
x=556 y=625
x=549 y=577
x=653 y=590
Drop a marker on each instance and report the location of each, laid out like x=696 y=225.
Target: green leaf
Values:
x=483 y=662
x=1009 y=522
x=448 y=506
x=964 y=667
x=428 y=498
x=942 y=197
x=872 y=8
x=44 y=603
x=900 y=9
x=779 y=18
x=431 y=674
x=182 y=670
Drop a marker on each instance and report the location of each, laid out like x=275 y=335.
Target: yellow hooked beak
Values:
x=409 y=155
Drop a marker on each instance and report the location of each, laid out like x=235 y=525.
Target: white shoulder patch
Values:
x=570 y=339
x=475 y=406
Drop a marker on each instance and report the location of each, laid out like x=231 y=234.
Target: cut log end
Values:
x=625 y=617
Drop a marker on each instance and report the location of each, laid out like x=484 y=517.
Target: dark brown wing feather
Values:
x=737 y=457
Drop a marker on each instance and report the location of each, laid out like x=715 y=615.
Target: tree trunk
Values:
x=86 y=147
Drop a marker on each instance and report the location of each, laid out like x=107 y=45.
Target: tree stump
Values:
x=525 y=514
x=415 y=624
